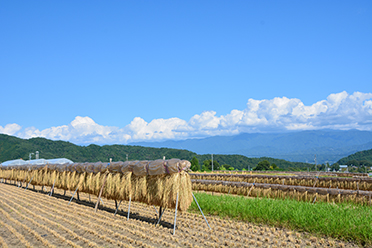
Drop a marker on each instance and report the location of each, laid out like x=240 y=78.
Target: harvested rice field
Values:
x=30 y=218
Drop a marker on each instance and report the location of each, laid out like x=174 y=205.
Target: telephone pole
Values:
x=212 y=162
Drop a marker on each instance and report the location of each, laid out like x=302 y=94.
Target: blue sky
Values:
x=122 y=71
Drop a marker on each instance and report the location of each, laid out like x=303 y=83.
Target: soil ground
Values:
x=31 y=218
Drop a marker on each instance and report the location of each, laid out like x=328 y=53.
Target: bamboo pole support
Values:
x=200 y=210
x=100 y=193
x=251 y=188
x=29 y=183
x=156 y=210
x=175 y=216
x=314 y=183
x=24 y=179
x=51 y=191
x=73 y=195
x=117 y=208
x=161 y=214
x=315 y=197
x=130 y=199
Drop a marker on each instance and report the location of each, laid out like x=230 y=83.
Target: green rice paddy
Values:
x=345 y=221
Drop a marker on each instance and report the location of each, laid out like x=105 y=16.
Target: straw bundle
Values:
x=284 y=191
x=153 y=182
x=361 y=183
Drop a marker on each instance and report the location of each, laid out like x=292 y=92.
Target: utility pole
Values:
x=315 y=162
x=30 y=154
x=127 y=157
x=212 y=162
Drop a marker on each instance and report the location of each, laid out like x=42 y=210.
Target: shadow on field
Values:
x=133 y=215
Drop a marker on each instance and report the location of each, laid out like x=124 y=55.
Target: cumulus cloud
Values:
x=339 y=111
x=10 y=129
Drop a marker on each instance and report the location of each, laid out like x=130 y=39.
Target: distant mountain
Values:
x=16 y=148
x=328 y=145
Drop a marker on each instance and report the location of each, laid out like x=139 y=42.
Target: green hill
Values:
x=358 y=158
x=16 y=148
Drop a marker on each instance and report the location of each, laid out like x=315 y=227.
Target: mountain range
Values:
x=328 y=145
x=15 y=148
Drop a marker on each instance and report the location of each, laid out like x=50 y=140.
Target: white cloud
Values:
x=10 y=129
x=158 y=129
x=339 y=111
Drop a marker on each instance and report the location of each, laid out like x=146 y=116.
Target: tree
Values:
x=362 y=169
x=322 y=167
x=195 y=164
x=208 y=164
x=353 y=162
x=231 y=168
x=263 y=165
x=273 y=166
x=224 y=166
x=335 y=167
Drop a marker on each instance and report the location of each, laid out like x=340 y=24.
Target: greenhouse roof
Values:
x=37 y=161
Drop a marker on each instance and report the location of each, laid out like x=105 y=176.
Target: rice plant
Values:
x=345 y=221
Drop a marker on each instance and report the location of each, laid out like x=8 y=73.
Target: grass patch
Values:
x=345 y=221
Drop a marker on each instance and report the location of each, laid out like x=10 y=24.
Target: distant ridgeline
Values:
x=358 y=158
x=15 y=148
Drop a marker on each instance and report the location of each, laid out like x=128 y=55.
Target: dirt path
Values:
x=33 y=219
